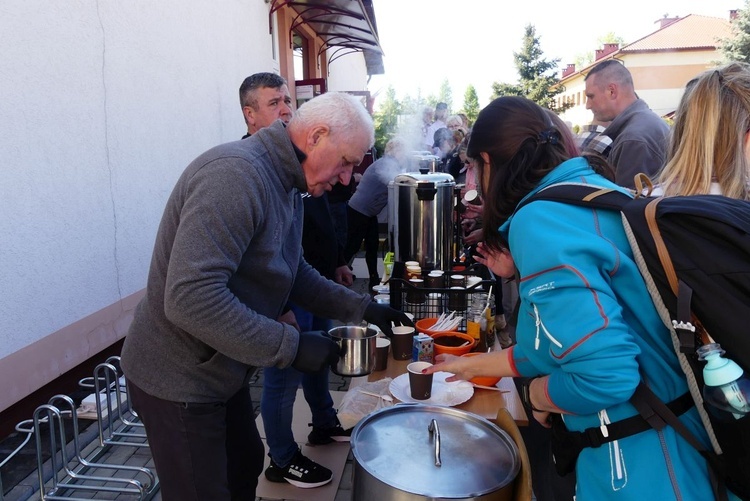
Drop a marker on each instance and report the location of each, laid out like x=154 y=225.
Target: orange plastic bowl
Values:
x=424 y=325
x=453 y=350
x=482 y=380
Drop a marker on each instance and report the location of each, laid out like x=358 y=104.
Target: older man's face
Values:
x=272 y=105
x=333 y=159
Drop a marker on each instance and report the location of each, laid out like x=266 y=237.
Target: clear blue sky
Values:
x=472 y=41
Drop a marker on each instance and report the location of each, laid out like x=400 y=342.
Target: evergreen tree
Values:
x=445 y=95
x=737 y=47
x=471 y=103
x=537 y=75
x=386 y=119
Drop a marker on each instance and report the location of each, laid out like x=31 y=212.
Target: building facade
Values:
x=103 y=106
x=661 y=64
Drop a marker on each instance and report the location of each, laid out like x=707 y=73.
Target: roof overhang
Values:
x=345 y=26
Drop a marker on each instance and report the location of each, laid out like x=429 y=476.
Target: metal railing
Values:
x=71 y=469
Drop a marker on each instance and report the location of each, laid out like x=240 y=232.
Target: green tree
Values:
x=537 y=75
x=445 y=95
x=471 y=103
x=737 y=46
x=583 y=60
x=386 y=119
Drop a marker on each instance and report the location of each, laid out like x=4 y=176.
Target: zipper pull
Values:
x=538 y=324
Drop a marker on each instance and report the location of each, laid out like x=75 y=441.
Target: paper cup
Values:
x=420 y=384
x=382 y=346
x=402 y=342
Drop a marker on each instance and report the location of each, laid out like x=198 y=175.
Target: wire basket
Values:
x=431 y=301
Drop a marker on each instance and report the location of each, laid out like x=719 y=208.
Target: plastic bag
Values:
x=362 y=400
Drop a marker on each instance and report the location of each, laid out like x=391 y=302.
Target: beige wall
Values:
x=103 y=106
x=659 y=79
x=28 y=369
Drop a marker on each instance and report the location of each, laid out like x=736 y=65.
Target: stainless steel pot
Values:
x=357 y=350
x=420 y=218
x=419 y=452
x=424 y=160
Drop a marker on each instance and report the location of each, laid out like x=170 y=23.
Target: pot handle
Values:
x=433 y=429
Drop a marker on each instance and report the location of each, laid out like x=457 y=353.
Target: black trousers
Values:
x=202 y=451
x=361 y=227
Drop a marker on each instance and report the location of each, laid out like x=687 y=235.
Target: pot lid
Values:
x=395 y=446
x=415 y=178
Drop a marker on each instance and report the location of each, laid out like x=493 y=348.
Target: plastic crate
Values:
x=429 y=302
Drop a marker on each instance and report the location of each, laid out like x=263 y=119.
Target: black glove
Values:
x=315 y=351
x=382 y=316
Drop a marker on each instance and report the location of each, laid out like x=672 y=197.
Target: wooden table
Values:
x=484 y=403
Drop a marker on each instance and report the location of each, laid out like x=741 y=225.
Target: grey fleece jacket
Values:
x=227 y=257
x=639 y=143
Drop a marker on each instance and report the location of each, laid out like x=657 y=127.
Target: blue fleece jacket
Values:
x=587 y=320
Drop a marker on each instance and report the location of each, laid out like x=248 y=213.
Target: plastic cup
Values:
x=420 y=384
x=382 y=345
x=402 y=342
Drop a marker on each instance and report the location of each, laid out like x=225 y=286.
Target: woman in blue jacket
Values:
x=587 y=330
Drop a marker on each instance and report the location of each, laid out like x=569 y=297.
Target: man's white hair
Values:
x=341 y=112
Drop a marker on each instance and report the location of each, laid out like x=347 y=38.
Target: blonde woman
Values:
x=708 y=150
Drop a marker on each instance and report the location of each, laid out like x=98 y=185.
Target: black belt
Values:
x=593 y=437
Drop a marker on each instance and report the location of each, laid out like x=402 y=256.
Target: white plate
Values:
x=447 y=394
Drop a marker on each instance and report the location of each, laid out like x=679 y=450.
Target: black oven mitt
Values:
x=382 y=316
x=315 y=352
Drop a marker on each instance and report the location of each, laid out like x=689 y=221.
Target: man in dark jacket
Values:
x=639 y=136
x=227 y=258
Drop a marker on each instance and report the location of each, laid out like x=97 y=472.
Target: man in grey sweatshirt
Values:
x=227 y=258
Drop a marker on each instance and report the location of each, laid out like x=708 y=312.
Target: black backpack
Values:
x=694 y=255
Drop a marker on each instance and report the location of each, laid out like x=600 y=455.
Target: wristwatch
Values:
x=526 y=395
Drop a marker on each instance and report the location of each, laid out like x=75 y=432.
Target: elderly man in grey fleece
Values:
x=227 y=258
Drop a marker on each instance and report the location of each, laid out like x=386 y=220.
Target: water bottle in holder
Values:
x=726 y=388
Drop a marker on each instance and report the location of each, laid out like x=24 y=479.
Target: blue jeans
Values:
x=280 y=390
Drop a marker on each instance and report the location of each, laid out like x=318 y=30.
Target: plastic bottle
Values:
x=726 y=388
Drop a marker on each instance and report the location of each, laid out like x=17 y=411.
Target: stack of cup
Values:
x=413 y=294
x=457 y=295
x=413 y=270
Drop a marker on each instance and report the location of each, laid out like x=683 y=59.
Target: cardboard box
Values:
x=422 y=350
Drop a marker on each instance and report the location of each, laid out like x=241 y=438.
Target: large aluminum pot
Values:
x=420 y=452
x=420 y=218
x=357 y=350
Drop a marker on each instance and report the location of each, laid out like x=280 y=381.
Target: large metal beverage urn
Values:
x=420 y=218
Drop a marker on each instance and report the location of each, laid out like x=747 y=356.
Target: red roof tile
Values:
x=690 y=32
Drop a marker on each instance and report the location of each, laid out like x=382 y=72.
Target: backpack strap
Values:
x=584 y=195
x=683 y=325
x=658 y=415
